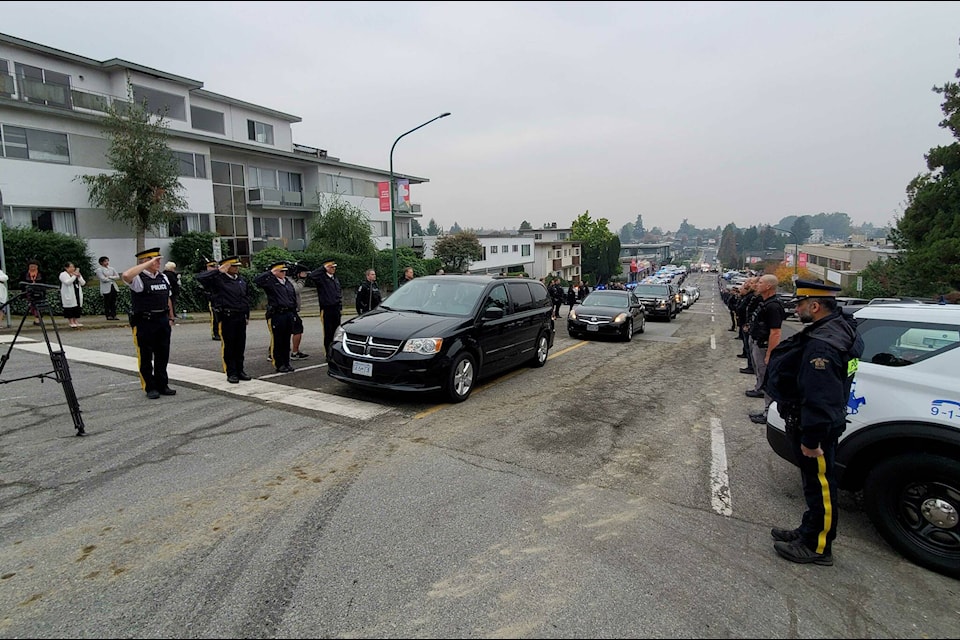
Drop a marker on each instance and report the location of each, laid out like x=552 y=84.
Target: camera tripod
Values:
x=34 y=292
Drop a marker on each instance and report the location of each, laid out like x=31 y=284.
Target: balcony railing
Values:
x=58 y=95
x=266 y=197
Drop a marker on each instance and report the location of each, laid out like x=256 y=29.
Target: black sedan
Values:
x=607 y=312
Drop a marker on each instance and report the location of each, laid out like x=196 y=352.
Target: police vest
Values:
x=155 y=294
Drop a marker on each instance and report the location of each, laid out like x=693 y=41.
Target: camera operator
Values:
x=151 y=319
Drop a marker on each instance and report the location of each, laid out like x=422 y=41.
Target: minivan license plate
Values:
x=363 y=368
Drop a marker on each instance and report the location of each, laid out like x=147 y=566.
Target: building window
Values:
x=191 y=165
x=505 y=248
x=206 y=120
x=160 y=102
x=259 y=132
x=493 y=249
x=525 y=250
x=266 y=228
x=59 y=220
x=538 y=236
x=7 y=83
x=189 y=223
x=33 y=144
x=42 y=86
x=515 y=248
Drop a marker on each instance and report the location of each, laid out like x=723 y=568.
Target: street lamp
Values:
x=393 y=187
x=796 y=250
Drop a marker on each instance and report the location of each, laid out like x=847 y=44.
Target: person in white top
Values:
x=3 y=294
x=108 y=278
x=71 y=294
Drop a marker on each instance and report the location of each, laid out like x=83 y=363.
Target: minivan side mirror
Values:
x=492 y=313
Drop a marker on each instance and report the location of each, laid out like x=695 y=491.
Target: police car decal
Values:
x=949 y=409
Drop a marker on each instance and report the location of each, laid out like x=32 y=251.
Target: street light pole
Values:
x=393 y=211
x=796 y=250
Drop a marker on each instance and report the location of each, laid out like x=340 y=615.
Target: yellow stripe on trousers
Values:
x=222 y=345
x=273 y=358
x=143 y=383
x=827 y=505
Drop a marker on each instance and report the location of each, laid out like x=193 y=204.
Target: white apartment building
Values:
x=244 y=177
x=555 y=253
x=505 y=253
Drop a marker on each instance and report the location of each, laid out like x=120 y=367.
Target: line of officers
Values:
x=152 y=315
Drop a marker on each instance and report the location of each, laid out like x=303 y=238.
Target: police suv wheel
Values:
x=914 y=502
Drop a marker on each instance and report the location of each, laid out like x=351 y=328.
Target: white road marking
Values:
x=258 y=389
x=713 y=341
x=720 y=498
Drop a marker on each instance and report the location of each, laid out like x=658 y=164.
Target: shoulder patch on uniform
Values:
x=819 y=363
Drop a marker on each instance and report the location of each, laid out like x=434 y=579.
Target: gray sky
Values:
x=715 y=112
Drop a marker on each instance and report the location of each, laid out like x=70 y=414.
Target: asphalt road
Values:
x=619 y=491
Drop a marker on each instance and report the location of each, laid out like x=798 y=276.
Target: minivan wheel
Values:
x=543 y=349
x=914 y=502
x=461 y=377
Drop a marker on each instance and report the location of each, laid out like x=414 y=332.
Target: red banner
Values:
x=383 y=188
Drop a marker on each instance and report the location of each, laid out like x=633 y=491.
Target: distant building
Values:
x=838 y=264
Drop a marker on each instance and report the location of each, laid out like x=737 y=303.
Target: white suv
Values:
x=902 y=442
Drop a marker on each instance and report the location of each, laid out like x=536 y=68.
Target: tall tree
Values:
x=455 y=228
x=802 y=228
x=458 y=251
x=340 y=227
x=638 y=229
x=930 y=227
x=415 y=228
x=144 y=188
x=727 y=252
x=626 y=233
x=432 y=228
x=599 y=247
x=525 y=225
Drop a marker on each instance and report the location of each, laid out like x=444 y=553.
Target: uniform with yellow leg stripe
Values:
x=151 y=319
x=810 y=376
x=281 y=311
x=230 y=298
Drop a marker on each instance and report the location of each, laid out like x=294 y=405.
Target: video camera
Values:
x=34 y=291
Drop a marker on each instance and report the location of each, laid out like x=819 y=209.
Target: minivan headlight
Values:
x=338 y=334
x=423 y=346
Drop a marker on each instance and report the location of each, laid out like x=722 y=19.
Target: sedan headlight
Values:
x=620 y=319
x=572 y=315
x=423 y=346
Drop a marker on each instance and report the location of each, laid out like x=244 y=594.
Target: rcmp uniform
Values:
x=212 y=265
x=230 y=301
x=810 y=375
x=330 y=298
x=281 y=311
x=151 y=317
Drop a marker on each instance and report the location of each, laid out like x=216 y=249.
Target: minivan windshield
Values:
x=437 y=295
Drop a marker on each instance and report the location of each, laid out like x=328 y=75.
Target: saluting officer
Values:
x=212 y=265
x=151 y=320
x=230 y=300
x=330 y=298
x=281 y=309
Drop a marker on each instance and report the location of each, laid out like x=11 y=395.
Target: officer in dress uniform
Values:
x=281 y=310
x=151 y=319
x=330 y=298
x=810 y=375
x=212 y=265
x=230 y=300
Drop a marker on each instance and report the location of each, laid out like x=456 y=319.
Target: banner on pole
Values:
x=383 y=188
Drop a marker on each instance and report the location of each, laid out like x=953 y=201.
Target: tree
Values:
x=930 y=227
x=801 y=228
x=415 y=227
x=432 y=228
x=525 y=225
x=638 y=230
x=626 y=233
x=340 y=227
x=599 y=247
x=457 y=251
x=455 y=228
x=144 y=189
x=727 y=252
x=193 y=250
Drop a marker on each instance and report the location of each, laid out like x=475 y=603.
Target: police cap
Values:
x=148 y=253
x=232 y=261
x=810 y=289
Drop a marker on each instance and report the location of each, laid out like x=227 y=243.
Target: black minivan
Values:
x=445 y=333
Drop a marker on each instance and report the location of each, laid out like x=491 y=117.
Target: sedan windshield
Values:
x=439 y=296
x=605 y=299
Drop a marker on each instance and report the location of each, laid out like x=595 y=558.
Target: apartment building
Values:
x=243 y=175
x=839 y=263
x=555 y=253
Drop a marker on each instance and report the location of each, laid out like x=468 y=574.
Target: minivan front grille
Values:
x=370 y=346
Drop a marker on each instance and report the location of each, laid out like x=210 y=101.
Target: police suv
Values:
x=902 y=442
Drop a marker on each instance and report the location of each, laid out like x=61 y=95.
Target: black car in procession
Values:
x=607 y=312
x=445 y=333
x=658 y=299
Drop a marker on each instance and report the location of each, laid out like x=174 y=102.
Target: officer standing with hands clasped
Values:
x=151 y=319
x=368 y=293
x=809 y=375
x=330 y=298
x=281 y=310
x=230 y=297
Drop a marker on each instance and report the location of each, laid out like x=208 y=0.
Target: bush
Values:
x=49 y=248
x=192 y=250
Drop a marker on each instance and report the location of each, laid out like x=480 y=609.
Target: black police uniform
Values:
x=230 y=299
x=810 y=376
x=214 y=318
x=330 y=299
x=368 y=296
x=150 y=321
x=281 y=310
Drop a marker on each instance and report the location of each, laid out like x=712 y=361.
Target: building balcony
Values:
x=273 y=198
